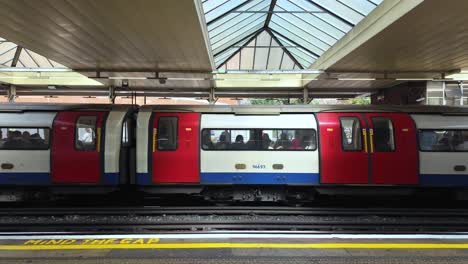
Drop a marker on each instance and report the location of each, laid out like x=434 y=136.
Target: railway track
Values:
x=196 y=219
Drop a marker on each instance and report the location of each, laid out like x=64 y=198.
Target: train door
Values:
x=394 y=153
x=77 y=147
x=175 y=147
x=344 y=158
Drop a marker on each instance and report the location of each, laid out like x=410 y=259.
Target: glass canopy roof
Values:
x=278 y=34
x=27 y=58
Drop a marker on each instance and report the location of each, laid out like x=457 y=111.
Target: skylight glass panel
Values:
x=301 y=33
x=306 y=26
x=226 y=7
x=236 y=37
x=339 y=9
x=274 y=60
x=231 y=18
x=239 y=30
x=362 y=7
x=295 y=37
x=209 y=5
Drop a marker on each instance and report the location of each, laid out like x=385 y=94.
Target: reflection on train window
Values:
x=351 y=133
x=443 y=140
x=259 y=139
x=24 y=138
x=384 y=140
x=167 y=133
x=86 y=133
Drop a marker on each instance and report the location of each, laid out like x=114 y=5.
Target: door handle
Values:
x=459 y=168
x=371 y=137
x=7 y=166
x=98 y=141
x=364 y=134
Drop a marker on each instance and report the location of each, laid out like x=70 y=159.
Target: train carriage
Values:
x=64 y=148
x=240 y=153
x=269 y=153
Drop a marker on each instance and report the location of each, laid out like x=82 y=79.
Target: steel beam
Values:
x=15 y=60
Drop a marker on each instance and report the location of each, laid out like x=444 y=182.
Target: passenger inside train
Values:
x=259 y=139
x=23 y=138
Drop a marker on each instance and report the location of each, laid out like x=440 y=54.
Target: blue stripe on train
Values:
x=443 y=179
x=25 y=178
x=111 y=178
x=259 y=178
x=143 y=179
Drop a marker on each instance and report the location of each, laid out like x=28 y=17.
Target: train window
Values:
x=384 y=140
x=229 y=139
x=85 y=136
x=259 y=139
x=126 y=132
x=289 y=139
x=30 y=138
x=167 y=133
x=443 y=140
x=351 y=133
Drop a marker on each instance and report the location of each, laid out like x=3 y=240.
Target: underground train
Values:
x=233 y=153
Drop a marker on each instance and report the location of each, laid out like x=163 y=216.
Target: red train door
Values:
x=343 y=148
x=394 y=149
x=175 y=147
x=76 y=147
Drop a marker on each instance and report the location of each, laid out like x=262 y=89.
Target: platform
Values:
x=234 y=248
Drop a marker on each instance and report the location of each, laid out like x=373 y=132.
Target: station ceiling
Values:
x=333 y=47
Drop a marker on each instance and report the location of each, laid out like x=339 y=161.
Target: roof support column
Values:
x=444 y=100
x=112 y=95
x=305 y=98
x=461 y=92
x=212 y=98
x=11 y=93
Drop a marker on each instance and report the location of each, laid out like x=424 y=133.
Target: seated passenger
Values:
x=239 y=144
x=36 y=140
x=266 y=141
x=206 y=142
x=14 y=141
x=26 y=139
x=308 y=143
x=283 y=142
x=296 y=142
x=222 y=142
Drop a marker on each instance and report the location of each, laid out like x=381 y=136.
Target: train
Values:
x=231 y=153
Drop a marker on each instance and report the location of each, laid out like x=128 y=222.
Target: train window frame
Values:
x=439 y=151
x=75 y=143
x=360 y=131
x=45 y=147
x=202 y=145
x=372 y=138
x=176 y=140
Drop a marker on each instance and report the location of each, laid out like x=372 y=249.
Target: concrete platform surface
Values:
x=233 y=248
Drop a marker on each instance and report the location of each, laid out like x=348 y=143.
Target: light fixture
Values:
x=51 y=87
x=127 y=78
x=414 y=79
x=356 y=79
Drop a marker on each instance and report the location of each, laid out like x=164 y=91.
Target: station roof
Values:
x=330 y=46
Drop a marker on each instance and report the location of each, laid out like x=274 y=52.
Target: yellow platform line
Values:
x=242 y=245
